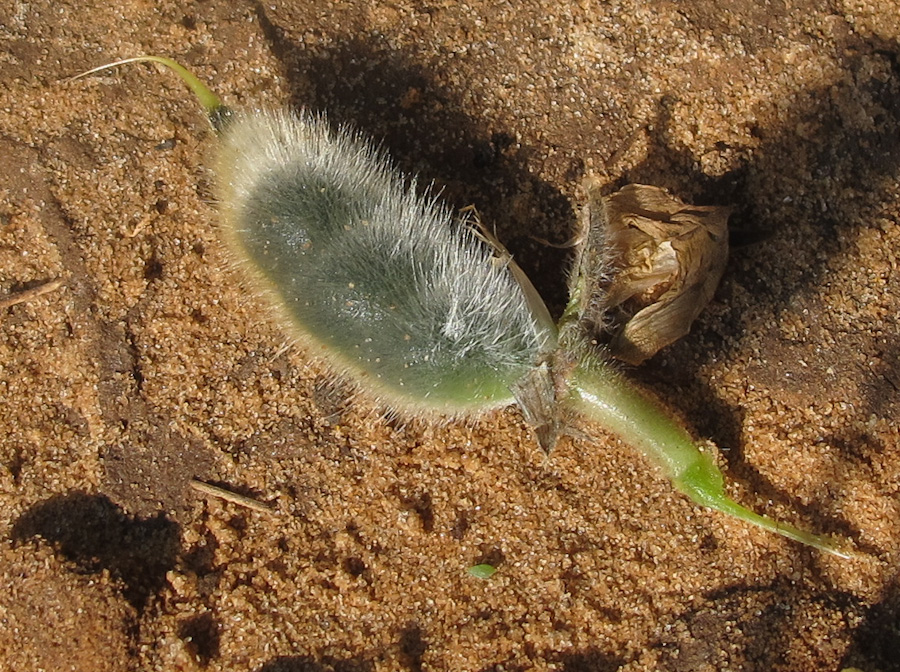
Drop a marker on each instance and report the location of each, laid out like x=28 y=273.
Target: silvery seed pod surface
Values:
x=381 y=281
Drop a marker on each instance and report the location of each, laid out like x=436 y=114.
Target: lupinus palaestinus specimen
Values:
x=415 y=307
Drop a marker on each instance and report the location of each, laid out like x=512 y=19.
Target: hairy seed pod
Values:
x=382 y=281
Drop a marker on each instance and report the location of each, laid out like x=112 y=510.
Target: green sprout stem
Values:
x=605 y=397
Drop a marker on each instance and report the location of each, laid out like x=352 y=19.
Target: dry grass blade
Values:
x=29 y=294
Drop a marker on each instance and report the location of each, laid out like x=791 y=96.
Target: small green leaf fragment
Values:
x=483 y=571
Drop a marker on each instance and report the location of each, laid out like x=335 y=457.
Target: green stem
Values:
x=601 y=395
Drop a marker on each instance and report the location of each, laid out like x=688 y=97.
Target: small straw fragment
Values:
x=29 y=294
x=229 y=496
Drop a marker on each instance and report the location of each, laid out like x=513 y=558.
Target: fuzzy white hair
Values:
x=380 y=280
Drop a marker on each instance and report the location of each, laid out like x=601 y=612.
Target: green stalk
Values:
x=603 y=396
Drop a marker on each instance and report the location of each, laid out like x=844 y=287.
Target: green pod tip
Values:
x=217 y=112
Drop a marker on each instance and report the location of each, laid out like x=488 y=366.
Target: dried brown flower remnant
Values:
x=667 y=257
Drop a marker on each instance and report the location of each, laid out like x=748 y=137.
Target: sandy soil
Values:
x=151 y=366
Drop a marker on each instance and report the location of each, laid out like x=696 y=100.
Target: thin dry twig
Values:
x=30 y=294
x=229 y=496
